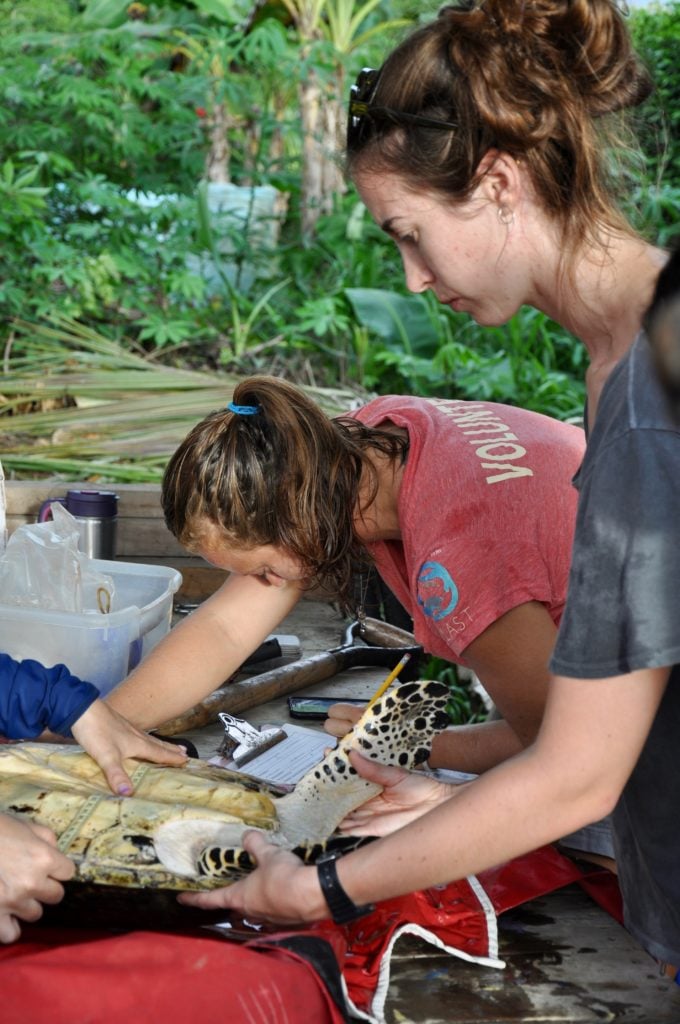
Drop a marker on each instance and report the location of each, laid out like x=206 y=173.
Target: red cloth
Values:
x=459 y=918
x=603 y=887
x=70 y=977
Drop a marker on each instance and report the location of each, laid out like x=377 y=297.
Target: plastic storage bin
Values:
x=99 y=648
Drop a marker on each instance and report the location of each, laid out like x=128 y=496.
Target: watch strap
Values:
x=342 y=908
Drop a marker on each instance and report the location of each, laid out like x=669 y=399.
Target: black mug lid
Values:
x=100 y=504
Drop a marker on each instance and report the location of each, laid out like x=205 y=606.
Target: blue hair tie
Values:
x=244 y=410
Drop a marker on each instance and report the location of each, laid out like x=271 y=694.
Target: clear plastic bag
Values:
x=42 y=568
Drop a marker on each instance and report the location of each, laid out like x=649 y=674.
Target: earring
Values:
x=506 y=215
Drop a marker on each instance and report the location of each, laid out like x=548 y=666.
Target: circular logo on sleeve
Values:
x=437 y=593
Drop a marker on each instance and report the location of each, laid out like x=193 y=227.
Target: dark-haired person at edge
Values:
x=662 y=323
x=34 y=698
x=484 y=147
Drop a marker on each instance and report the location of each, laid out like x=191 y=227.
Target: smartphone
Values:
x=316 y=708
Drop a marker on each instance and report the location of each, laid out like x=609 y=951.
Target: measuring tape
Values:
x=86 y=809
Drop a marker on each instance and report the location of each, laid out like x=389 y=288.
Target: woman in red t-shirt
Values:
x=465 y=508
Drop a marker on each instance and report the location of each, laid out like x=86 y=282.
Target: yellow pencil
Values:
x=388 y=682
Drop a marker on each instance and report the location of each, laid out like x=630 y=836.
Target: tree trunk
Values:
x=218 y=156
x=312 y=157
x=333 y=179
x=322 y=176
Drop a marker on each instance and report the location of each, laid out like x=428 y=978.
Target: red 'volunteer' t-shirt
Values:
x=486 y=512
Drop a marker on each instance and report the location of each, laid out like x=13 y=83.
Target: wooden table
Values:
x=567 y=959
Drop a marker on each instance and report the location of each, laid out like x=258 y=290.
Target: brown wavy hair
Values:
x=287 y=475
x=543 y=80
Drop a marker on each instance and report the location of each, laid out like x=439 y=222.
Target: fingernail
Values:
x=124 y=789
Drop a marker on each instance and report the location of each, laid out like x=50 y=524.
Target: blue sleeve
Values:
x=34 y=698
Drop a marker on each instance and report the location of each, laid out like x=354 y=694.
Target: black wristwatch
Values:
x=342 y=908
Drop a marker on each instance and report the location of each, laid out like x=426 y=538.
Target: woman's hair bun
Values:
x=582 y=46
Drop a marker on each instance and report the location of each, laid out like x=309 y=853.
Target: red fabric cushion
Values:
x=67 y=977
x=74 y=977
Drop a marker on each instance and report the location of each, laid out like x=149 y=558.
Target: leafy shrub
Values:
x=93 y=114
x=99 y=101
x=656 y=33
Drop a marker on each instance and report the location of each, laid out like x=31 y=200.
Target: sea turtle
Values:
x=182 y=827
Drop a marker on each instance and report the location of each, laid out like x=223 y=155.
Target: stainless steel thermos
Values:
x=97 y=516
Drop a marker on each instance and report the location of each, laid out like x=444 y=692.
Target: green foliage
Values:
x=656 y=33
x=128 y=97
x=654 y=209
x=465 y=706
x=105 y=101
x=19 y=196
x=427 y=349
x=104 y=130
x=93 y=251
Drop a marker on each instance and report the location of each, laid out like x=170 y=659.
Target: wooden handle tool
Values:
x=249 y=693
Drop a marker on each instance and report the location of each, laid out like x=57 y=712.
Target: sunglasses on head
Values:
x=362 y=110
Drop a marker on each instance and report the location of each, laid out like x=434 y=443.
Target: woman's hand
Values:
x=342 y=718
x=109 y=739
x=281 y=889
x=31 y=872
x=405 y=796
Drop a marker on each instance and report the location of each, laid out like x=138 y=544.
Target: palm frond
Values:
x=77 y=405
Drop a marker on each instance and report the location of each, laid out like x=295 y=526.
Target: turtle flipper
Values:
x=397 y=730
x=208 y=849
